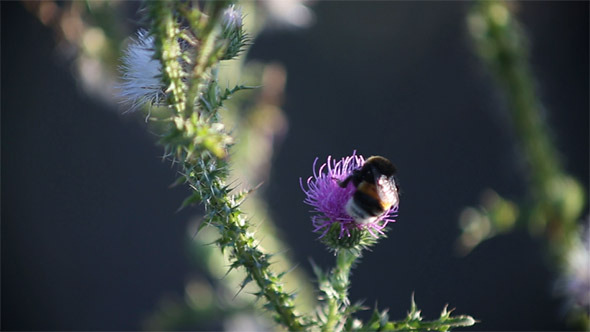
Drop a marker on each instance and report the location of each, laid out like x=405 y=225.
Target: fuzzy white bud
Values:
x=141 y=73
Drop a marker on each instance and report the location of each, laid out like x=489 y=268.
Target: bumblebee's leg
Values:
x=354 y=177
x=344 y=182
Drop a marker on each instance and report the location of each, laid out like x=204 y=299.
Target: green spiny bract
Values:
x=355 y=241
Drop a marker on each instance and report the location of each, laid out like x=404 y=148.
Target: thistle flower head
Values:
x=289 y=13
x=140 y=73
x=231 y=18
x=574 y=283
x=232 y=32
x=328 y=199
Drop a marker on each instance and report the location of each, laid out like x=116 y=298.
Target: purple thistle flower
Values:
x=329 y=200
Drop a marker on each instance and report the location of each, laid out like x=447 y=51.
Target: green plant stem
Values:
x=225 y=214
x=332 y=317
x=557 y=198
x=340 y=281
x=435 y=325
x=509 y=60
x=205 y=56
x=206 y=176
x=165 y=30
x=200 y=144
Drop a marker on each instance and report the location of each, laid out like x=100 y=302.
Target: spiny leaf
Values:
x=194 y=198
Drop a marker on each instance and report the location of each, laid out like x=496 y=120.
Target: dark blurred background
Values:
x=90 y=236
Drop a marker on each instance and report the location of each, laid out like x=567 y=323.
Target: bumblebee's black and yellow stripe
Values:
x=376 y=190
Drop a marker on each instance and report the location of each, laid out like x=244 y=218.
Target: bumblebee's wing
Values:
x=387 y=191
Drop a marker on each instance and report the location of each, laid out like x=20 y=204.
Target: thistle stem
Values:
x=340 y=280
x=509 y=59
x=200 y=145
x=557 y=198
x=435 y=325
x=165 y=30
x=332 y=318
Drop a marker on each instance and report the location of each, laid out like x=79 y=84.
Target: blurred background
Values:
x=91 y=236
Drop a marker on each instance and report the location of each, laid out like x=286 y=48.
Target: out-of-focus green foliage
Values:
x=555 y=199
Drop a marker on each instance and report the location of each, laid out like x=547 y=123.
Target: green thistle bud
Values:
x=232 y=32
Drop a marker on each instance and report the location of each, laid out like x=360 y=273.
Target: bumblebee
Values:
x=376 y=190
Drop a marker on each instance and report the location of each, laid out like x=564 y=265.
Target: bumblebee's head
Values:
x=373 y=169
x=380 y=165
